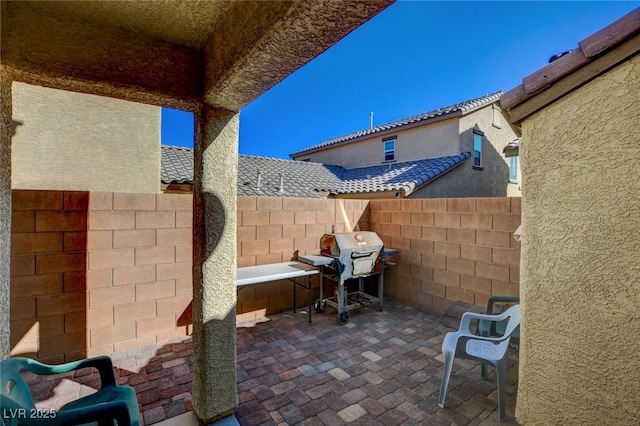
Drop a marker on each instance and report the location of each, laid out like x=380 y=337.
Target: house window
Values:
x=513 y=169
x=477 y=149
x=389 y=148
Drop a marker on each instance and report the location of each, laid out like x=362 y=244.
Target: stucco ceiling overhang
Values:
x=172 y=53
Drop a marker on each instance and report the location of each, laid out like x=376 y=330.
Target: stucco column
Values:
x=5 y=211
x=214 y=266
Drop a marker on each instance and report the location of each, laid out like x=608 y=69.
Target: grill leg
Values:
x=341 y=299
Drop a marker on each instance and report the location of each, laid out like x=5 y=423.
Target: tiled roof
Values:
x=300 y=178
x=460 y=107
x=588 y=50
x=176 y=165
x=304 y=179
x=407 y=176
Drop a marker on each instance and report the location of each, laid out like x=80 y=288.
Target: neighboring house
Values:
x=275 y=177
x=477 y=126
x=580 y=263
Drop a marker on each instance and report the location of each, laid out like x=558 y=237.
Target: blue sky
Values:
x=413 y=57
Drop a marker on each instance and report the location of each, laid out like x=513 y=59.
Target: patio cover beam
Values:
x=243 y=61
x=80 y=57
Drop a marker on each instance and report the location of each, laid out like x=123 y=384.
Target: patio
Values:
x=380 y=368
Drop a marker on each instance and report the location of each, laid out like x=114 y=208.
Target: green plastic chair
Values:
x=111 y=404
x=497 y=328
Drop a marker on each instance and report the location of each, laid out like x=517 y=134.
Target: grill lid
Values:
x=364 y=241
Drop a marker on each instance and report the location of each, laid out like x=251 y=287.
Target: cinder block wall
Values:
x=272 y=229
x=94 y=273
x=457 y=249
x=48 y=274
x=139 y=257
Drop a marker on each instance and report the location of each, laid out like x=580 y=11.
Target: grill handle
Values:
x=359 y=254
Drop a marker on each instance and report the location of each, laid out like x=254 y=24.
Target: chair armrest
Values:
x=467 y=317
x=102 y=363
x=498 y=298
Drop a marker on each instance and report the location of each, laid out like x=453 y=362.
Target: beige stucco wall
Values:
x=514 y=187
x=464 y=180
x=429 y=140
x=493 y=180
x=74 y=141
x=580 y=270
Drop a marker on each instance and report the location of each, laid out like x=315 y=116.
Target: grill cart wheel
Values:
x=343 y=317
x=320 y=305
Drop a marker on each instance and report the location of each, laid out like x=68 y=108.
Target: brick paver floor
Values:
x=381 y=368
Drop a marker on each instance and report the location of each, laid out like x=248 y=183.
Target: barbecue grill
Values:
x=347 y=256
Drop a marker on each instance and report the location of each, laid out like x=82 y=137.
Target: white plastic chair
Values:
x=493 y=350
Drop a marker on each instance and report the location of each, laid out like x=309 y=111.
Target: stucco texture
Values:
x=580 y=270
x=214 y=273
x=74 y=141
x=5 y=211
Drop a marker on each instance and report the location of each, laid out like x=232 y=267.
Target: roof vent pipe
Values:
x=281 y=182
x=259 y=180
x=371 y=120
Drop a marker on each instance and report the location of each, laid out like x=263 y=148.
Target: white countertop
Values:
x=273 y=272
x=316 y=259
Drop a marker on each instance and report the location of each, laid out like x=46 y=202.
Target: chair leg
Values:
x=501 y=373
x=483 y=370
x=446 y=374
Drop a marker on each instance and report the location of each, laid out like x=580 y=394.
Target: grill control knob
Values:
x=360 y=238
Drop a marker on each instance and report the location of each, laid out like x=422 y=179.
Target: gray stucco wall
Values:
x=73 y=141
